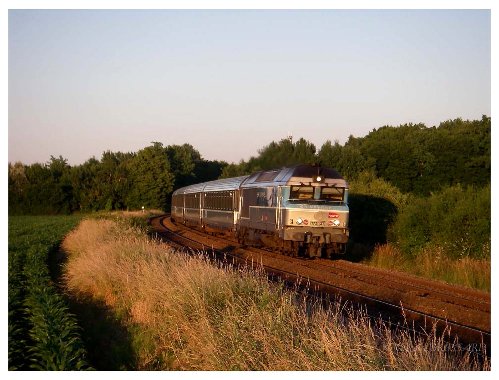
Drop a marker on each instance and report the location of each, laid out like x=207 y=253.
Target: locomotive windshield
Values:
x=299 y=193
x=313 y=194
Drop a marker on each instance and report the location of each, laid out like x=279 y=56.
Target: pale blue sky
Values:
x=230 y=82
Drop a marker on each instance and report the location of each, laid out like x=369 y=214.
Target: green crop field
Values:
x=42 y=333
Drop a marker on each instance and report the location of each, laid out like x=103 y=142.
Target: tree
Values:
x=348 y=160
x=49 y=189
x=183 y=160
x=151 y=178
x=304 y=152
x=17 y=186
x=85 y=182
x=235 y=170
x=205 y=170
x=61 y=200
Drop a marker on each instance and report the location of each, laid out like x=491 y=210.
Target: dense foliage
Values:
x=414 y=158
x=117 y=181
x=411 y=184
x=420 y=160
x=456 y=219
x=43 y=334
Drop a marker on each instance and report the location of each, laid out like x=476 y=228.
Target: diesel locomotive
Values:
x=299 y=210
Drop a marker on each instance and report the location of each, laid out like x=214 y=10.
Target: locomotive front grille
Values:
x=324 y=235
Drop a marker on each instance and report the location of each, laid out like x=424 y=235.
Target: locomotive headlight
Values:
x=299 y=221
x=336 y=223
x=318 y=178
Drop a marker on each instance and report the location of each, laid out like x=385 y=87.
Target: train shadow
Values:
x=370 y=218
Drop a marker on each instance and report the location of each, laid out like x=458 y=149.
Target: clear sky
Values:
x=229 y=82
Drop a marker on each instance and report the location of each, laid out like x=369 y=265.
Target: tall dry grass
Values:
x=432 y=262
x=186 y=313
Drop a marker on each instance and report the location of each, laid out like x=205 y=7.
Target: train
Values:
x=301 y=210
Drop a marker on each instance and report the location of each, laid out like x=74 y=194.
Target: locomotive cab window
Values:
x=301 y=193
x=333 y=194
x=316 y=194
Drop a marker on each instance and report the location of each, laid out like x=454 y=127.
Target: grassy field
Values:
x=42 y=333
x=433 y=263
x=175 y=311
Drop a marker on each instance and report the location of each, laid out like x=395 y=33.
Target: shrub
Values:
x=367 y=183
x=456 y=219
x=373 y=204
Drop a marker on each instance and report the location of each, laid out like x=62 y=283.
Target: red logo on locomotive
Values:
x=305 y=221
x=333 y=215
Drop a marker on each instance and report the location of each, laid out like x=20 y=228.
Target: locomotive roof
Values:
x=294 y=175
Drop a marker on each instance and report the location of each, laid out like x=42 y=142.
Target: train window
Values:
x=191 y=201
x=334 y=194
x=219 y=200
x=311 y=194
x=301 y=193
x=261 y=197
x=249 y=198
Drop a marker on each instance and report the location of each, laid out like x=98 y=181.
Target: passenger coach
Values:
x=298 y=210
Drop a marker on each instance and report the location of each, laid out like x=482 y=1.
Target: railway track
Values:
x=396 y=297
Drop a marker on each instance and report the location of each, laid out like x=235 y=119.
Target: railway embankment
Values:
x=186 y=312
x=396 y=296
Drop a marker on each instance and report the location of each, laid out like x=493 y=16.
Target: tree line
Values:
x=118 y=181
x=412 y=157
x=415 y=158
